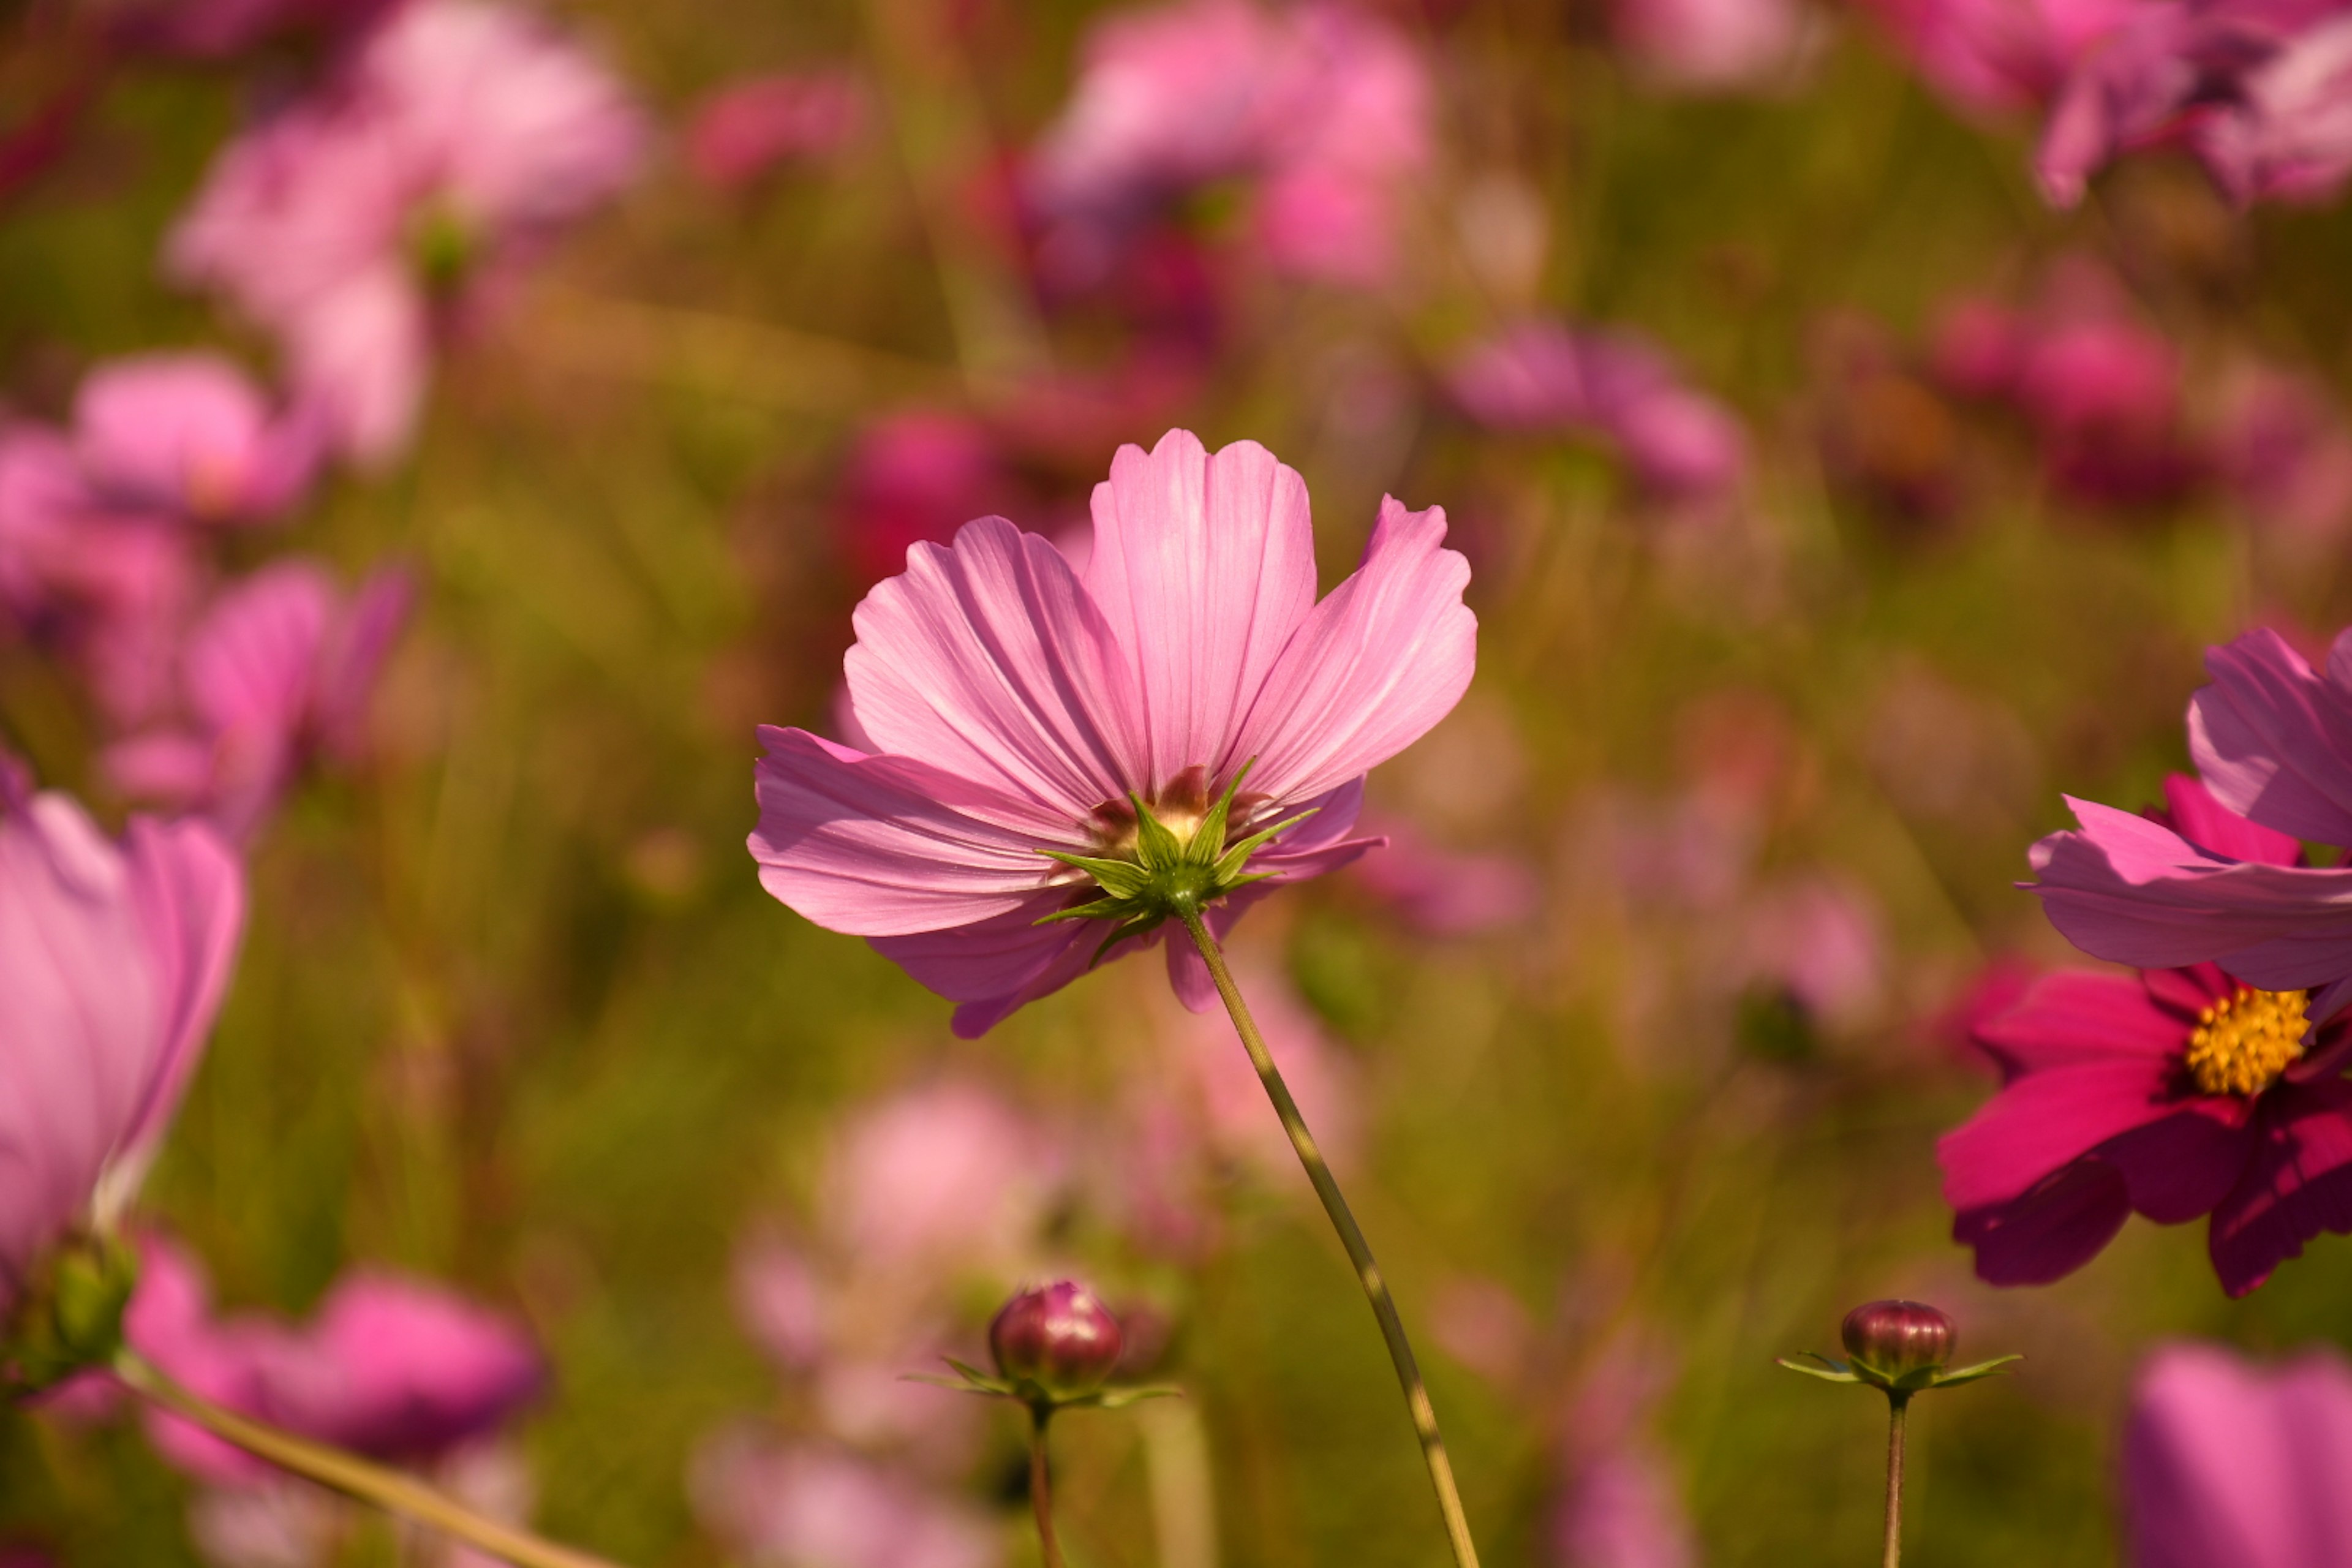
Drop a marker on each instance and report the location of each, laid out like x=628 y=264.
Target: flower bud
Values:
x=1894 y=1337
x=1056 y=1338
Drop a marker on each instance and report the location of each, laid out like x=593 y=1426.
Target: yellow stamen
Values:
x=2243 y=1041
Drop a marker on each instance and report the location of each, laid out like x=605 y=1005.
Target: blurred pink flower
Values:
x=113 y=959
x=2285 y=451
x=388 y=1366
x=2226 y=1461
x=943 y=1175
x=787 y=1505
x=2183 y=1093
x=915 y=477
x=1620 y=1509
x=453 y=143
x=1545 y=377
x=1819 y=939
x=1711 y=44
x=781 y=1301
x=1482 y=1324
x=1019 y=705
x=1231 y=1101
x=1988 y=54
x=281 y=667
x=2288 y=137
x=1444 y=892
x=190 y=435
x=750 y=126
x=1324 y=109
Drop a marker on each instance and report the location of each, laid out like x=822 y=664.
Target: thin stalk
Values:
x=370 y=1483
x=1041 y=1486
x=1351 y=1236
x=1895 y=1404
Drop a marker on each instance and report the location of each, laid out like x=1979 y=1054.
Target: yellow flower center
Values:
x=2243 y=1041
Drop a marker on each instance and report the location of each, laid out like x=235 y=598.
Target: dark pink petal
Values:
x=2208 y=824
x=991 y=968
x=1378 y=662
x=2050 y=1231
x=988 y=661
x=2272 y=737
x=1204 y=567
x=2182 y=1166
x=2299 y=1183
x=2187 y=992
x=885 y=845
x=2076 y=1016
x=2045 y=1120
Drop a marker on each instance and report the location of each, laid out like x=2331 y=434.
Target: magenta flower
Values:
x=748 y=128
x=805 y=1503
x=451 y=145
x=1711 y=46
x=2227 y=1462
x=191 y=435
x=390 y=1367
x=1019 y=709
x=911 y=477
x=2273 y=739
x=113 y=958
x=282 y=667
x=1544 y=377
x=2187 y=1091
x=2284 y=452
x=219 y=29
x=1990 y=55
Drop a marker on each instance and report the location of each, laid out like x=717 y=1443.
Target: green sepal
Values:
x=1919 y=1380
x=1169 y=877
x=1119 y=879
x=971 y=1379
x=1156 y=846
x=1828 y=1372
x=71 y=1319
x=1993 y=1368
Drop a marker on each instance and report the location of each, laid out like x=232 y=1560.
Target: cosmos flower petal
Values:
x=992 y=968
x=987 y=659
x=1379 y=661
x=2050 y=1231
x=2273 y=738
x=2299 y=1185
x=2179 y=1166
x=2043 y=1121
x=1204 y=567
x=885 y=845
x=2207 y=823
x=2076 y=1017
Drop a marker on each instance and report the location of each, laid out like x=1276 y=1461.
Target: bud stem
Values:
x=370 y=1483
x=1896 y=1404
x=1041 y=1486
x=1351 y=1236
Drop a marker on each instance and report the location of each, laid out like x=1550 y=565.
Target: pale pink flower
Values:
x=1989 y=55
x=1620 y=1509
x=2284 y=452
x=280 y=668
x=1444 y=892
x=1711 y=44
x=1484 y=1325
x=1821 y=940
x=113 y=959
x=455 y=141
x=780 y=1301
x=2288 y=137
x=1231 y=1101
x=792 y=1505
x=190 y=435
x=941 y=1176
x=748 y=127
x=1020 y=706
x=2227 y=1462
x=390 y=1367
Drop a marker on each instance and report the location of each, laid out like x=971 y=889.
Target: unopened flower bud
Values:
x=1893 y=1338
x=1056 y=1338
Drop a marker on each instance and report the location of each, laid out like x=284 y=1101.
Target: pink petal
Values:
x=2182 y=1166
x=2299 y=1185
x=2050 y=1231
x=1204 y=567
x=249 y=663
x=2076 y=1017
x=2042 y=1122
x=2273 y=738
x=988 y=661
x=1372 y=668
x=885 y=846
x=2208 y=824
x=993 y=967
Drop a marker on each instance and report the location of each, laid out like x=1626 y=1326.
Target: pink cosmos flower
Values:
x=388 y=1366
x=113 y=959
x=2230 y=1462
x=1993 y=54
x=786 y=1504
x=1018 y=705
x=2270 y=738
x=1620 y=1509
x=2183 y=1093
x=190 y=435
x=1444 y=892
x=1710 y=45
x=280 y=668
x=748 y=127
x=942 y=1174
x=454 y=144
x=2284 y=452
x=2288 y=137
x=1543 y=376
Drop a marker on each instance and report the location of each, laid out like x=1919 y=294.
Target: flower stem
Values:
x=1351 y=1236
x=1895 y=1405
x=1041 y=1486
x=370 y=1483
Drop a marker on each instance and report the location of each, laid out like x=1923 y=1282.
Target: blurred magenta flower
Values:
x=941 y=1176
x=1445 y=892
x=448 y=147
x=2272 y=741
x=912 y=477
x=1544 y=377
x=219 y=29
x=1711 y=46
x=113 y=960
x=2227 y=1461
x=1820 y=939
x=1993 y=54
x=388 y=1366
x=190 y=435
x=1324 y=109
x=1019 y=705
x=1620 y=1509
x=2283 y=451
x=750 y=126
x=2288 y=137
x=2185 y=1091
x=789 y=1504
x=281 y=667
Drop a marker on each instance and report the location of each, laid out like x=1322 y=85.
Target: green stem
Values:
x=1351 y=1236
x=1895 y=1405
x=1041 y=1486
x=387 y=1489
